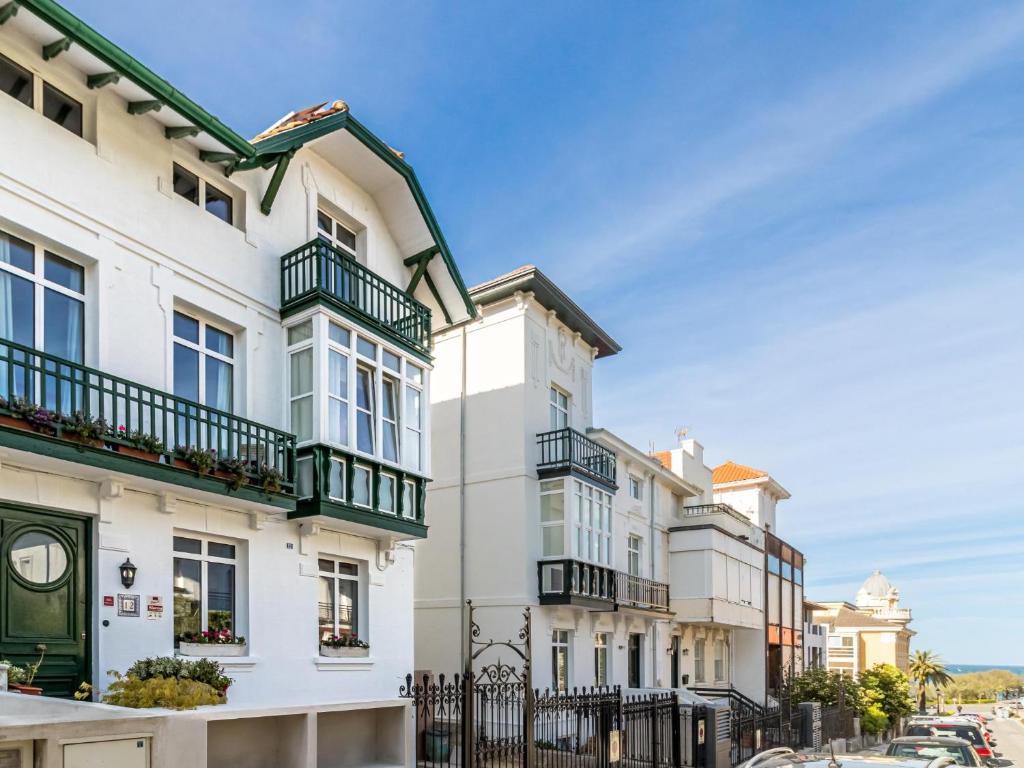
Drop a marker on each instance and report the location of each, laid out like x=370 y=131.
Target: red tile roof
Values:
x=731 y=472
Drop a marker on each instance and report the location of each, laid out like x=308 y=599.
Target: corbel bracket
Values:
x=386 y=552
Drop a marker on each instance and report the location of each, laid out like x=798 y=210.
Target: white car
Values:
x=784 y=757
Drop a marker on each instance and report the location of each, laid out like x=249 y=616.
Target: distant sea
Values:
x=959 y=669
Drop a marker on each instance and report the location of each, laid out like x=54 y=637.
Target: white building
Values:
x=535 y=506
x=270 y=300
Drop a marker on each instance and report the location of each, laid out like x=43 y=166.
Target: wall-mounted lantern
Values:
x=128 y=573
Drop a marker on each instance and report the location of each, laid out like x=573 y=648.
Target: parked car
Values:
x=962 y=729
x=784 y=757
x=936 y=746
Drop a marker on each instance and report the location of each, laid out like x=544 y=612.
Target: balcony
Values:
x=65 y=410
x=722 y=516
x=573 y=582
x=566 y=451
x=319 y=273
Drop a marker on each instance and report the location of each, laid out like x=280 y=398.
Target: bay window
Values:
x=349 y=391
x=586 y=534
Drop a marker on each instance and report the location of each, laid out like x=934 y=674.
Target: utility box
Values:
x=718 y=736
x=16 y=754
x=113 y=753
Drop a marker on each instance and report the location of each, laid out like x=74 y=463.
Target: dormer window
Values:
x=62 y=109
x=333 y=232
x=199 y=191
x=15 y=81
x=18 y=83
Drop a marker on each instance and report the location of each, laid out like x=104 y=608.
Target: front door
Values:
x=675 y=661
x=44 y=607
x=634 y=655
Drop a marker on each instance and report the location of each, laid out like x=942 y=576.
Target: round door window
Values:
x=38 y=557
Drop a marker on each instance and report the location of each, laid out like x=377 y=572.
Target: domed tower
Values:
x=879 y=598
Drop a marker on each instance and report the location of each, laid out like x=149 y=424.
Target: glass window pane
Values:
x=337 y=417
x=336 y=480
x=188 y=581
x=412 y=407
x=220 y=597
x=186 y=328
x=361 y=487
x=391 y=360
x=324 y=222
x=64 y=272
x=302 y=418
x=364 y=406
x=220 y=342
x=390 y=415
x=17 y=252
x=62 y=109
x=366 y=348
x=345 y=236
x=186 y=184
x=218 y=384
x=386 y=494
x=348 y=569
x=326 y=607
x=15 y=81
x=348 y=607
x=218 y=549
x=186 y=372
x=337 y=375
x=304 y=477
x=414 y=373
x=301 y=332
x=409 y=499
x=552 y=507
x=338 y=335
x=219 y=203
x=17 y=311
x=63 y=330
x=411 y=456
x=185 y=544
x=553 y=540
x=302 y=372
x=325 y=565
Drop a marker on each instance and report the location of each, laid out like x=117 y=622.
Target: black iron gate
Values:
x=491 y=715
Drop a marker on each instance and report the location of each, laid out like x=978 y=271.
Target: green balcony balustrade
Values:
x=64 y=387
x=564 y=451
x=318 y=272
x=575 y=582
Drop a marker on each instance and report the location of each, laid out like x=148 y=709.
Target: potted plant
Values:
x=216 y=642
x=235 y=470
x=83 y=429
x=7 y=417
x=344 y=647
x=38 y=418
x=139 y=444
x=200 y=460
x=21 y=678
x=270 y=479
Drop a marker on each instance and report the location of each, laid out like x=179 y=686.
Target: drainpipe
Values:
x=650 y=537
x=462 y=505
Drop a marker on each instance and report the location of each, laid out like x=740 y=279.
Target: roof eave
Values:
x=88 y=38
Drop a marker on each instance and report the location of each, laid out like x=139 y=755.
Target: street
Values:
x=1009 y=735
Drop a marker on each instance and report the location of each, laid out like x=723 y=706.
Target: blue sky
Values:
x=802 y=221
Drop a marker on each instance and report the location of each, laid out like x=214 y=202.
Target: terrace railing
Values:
x=318 y=269
x=639 y=592
x=64 y=387
x=568 y=449
x=574 y=578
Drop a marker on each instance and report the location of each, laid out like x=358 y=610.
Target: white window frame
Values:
x=636 y=488
x=360 y=623
x=602 y=643
x=205 y=559
x=409 y=510
x=394 y=492
x=331 y=237
x=344 y=480
x=700 y=660
x=561 y=639
x=357 y=466
x=38 y=84
x=291 y=351
x=203 y=183
x=584 y=501
x=553 y=488
x=40 y=285
x=559 y=411
x=720 y=658
x=200 y=347
x=346 y=353
x=393 y=379
x=634 y=553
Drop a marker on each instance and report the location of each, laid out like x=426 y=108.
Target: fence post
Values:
x=468 y=750
x=652 y=710
x=528 y=697
x=677 y=754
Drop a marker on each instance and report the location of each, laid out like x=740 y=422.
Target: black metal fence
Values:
x=570 y=729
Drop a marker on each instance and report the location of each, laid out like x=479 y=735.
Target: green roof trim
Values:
x=82 y=34
x=291 y=140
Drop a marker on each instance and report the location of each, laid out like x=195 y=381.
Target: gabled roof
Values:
x=529 y=279
x=731 y=472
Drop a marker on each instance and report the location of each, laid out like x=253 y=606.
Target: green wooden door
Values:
x=44 y=588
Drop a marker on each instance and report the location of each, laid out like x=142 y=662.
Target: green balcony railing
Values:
x=63 y=387
x=317 y=269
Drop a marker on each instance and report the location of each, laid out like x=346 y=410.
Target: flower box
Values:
x=13 y=421
x=351 y=652
x=138 y=453
x=29 y=690
x=209 y=650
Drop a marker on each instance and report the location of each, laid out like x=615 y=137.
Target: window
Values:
x=194 y=188
x=300 y=368
x=62 y=109
x=203 y=362
x=304 y=477
x=636 y=488
x=339 y=605
x=774 y=565
x=552 y=518
x=719 y=661
x=336 y=234
x=338 y=341
x=16 y=81
x=365 y=405
x=634 y=550
x=336 y=479
x=386 y=493
x=389 y=417
x=205 y=590
x=42 y=305
x=635 y=654
x=409 y=499
x=361 y=478
x=698 y=660
x=413 y=416
x=601 y=644
x=559 y=409
x=560 y=659
x=592 y=523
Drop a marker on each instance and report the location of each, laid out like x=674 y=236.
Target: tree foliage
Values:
x=885 y=687
x=983 y=685
x=926 y=668
x=826 y=686
x=873 y=720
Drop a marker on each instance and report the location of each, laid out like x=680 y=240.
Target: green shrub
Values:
x=874 y=720
x=15 y=674
x=168 y=692
x=204 y=671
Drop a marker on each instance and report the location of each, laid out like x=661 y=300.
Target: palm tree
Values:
x=926 y=668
